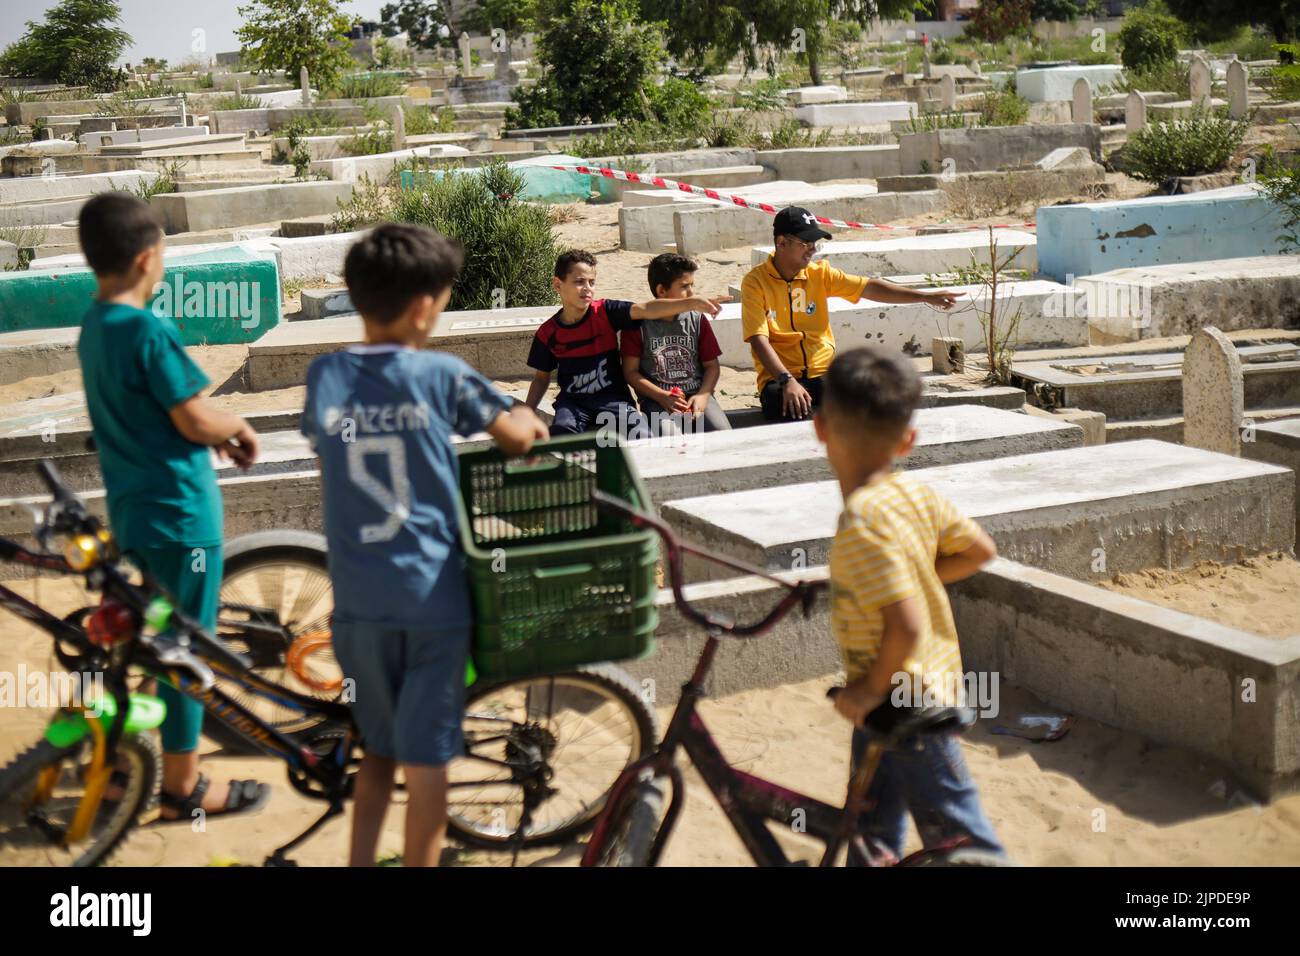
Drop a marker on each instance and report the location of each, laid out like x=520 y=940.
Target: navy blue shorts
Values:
x=408 y=690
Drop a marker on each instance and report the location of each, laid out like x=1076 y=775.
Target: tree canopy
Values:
x=76 y=44
x=290 y=34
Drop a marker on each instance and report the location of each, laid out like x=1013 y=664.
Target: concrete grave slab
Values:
x=768 y=456
x=1056 y=83
x=878 y=113
x=1142 y=503
x=1277 y=443
x=920 y=255
x=1148 y=385
x=1090 y=238
x=246 y=205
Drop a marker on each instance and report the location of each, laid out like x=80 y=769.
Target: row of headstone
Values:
x=1238 y=80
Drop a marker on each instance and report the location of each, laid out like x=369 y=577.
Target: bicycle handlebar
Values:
x=800 y=592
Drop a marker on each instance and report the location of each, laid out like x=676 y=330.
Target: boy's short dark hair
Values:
x=113 y=228
x=872 y=390
x=395 y=262
x=567 y=260
x=666 y=268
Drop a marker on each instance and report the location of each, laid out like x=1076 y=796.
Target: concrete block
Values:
x=38 y=189
x=722 y=178
x=1149 y=385
x=1277 y=443
x=349 y=169
x=1067 y=157
x=1157 y=301
x=831 y=162
x=245 y=205
x=767 y=456
x=878 y=113
x=326 y=303
x=1093 y=424
x=1090 y=238
x=697 y=229
x=1143 y=503
x=217 y=298
x=1051 y=84
x=993 y=147
x=920 y=255
x=910 y=327
x=117 y=137
x=809 y=95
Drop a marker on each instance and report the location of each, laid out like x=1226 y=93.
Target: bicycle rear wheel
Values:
x=41 y=789
x=551 y=746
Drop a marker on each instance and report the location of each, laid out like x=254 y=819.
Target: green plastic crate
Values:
x=555 y=583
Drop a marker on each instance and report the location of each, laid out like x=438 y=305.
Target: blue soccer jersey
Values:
x=381 y=419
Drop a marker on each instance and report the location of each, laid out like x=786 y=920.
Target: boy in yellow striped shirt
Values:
x=898 y=543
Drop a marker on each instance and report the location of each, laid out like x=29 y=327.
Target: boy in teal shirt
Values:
x=153 y=430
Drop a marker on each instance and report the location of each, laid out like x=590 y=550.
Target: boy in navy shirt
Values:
x=381 y=416
x=581 y=341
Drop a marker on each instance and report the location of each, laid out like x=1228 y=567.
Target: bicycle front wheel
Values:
x=549 y=748
x=41 y=789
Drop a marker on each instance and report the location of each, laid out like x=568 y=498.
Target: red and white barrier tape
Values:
x=663 y=183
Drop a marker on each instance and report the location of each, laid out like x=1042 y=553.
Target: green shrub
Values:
x=929 y=122
x=1202 y=143
x=121 y=105
x=361 y=86
x=766 y=94
x=422 y=119
x=1286 y=76
x=678 y=102
x=1150 y=37
x=1172 y=76
x=237 y=101
x=509 y=244
x=791 y=134
x=1002 y=107
x=1281 y=183
x=368 y=143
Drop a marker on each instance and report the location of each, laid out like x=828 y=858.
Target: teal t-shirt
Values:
x=161 y=487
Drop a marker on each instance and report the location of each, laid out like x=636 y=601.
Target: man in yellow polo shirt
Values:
x=786 y=321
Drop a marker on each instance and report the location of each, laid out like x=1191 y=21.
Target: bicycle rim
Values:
x=31 y=828
x=300 y=594
x=591 y=726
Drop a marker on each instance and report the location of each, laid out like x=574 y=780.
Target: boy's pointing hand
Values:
x=712 y=304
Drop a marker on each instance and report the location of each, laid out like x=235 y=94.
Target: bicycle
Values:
x=52 y=795
x=635 y=827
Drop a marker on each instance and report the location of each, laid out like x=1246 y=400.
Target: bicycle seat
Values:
x=900 y=722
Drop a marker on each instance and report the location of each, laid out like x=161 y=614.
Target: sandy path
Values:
x=1259 y=594
x=1099 y=796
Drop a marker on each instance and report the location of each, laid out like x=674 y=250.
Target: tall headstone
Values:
x=1238 y=82
x=501 y=71
x=1135 y=113
x=466 y=65
x=1213 y=393
x=1199 y=79
x=948 y=92
x=302 y=85
x=180 y=107
x=399 y=127
x=1081 y=102
x=239 y=89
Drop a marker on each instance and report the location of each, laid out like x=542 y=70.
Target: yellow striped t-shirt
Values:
x=884 y=552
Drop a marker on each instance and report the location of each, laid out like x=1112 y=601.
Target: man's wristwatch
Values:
x=783 y=378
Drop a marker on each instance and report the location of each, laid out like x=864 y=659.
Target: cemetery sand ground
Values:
x=1258 y=594
x=1097 y=797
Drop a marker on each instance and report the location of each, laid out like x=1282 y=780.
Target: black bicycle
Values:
x=528 y=777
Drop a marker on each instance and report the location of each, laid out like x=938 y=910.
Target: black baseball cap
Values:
x=800 y=223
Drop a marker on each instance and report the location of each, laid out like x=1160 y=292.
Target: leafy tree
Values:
x=423 y=22
x=290 y=34
x=76 y=45
x=1064 y=10
x=715 y=32
x=1218 y=18
x=597 y=59
x=515 y=17
x=1150 y=37
x=995 y=20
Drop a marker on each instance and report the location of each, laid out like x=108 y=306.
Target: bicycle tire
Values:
x=635 y=825
x=144 y=779
x=607 y=677
x=305 y=547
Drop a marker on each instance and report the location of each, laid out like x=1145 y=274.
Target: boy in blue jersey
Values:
x=153 y=428
x=381 y=416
